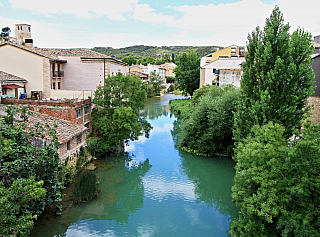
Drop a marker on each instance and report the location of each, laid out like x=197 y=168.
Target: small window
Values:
x=68 y=145
x=29 y=28
x=53 y=85
x=59 y=85
x=86 y=110
x=79 y=139
x=4 y=91
x=78 y=113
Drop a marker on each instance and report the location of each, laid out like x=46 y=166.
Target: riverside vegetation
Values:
x=277 y=172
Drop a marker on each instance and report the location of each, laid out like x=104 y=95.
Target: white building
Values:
x=222 y=71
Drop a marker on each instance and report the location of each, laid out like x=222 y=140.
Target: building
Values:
x=11 y=86
x=222 y=71
x=169 y=69
x=58 y=73
x=228 y=52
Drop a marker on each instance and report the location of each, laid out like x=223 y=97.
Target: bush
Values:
x=208 y=131
x=96 y=147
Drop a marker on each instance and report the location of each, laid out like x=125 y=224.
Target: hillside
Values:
x=141 y=51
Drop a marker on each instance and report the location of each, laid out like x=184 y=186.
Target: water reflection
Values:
x=210 y=176
x=122 y=193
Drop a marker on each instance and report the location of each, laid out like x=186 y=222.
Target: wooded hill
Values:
x=141 y=51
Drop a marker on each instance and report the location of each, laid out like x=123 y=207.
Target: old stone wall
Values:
x=315 y=101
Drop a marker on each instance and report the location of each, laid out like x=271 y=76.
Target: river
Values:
x=155 y=189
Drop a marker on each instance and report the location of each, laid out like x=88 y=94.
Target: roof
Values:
x=315 y=44
x=315 y=55
x=31 y=50
x=85 y=53
x=225 y=63
x=7 y=77
x=65 y=130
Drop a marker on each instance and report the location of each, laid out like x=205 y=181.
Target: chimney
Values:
x=29 y=43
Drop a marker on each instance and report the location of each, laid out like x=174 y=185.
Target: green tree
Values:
x=116 y=114
x=277 y=77
x=277 y=183
x=5 y=32
x=157 y=82
x=24 y=165
x=187 y=72
x=208 y=131
x=147 y=60
x=130 y=60
x=16 y=219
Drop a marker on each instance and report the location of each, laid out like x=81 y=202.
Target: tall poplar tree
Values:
x=277 y=77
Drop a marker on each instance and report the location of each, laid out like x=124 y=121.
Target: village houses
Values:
x=56 y=84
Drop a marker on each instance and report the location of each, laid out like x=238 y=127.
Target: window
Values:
x=4 y=91
x=53 y=85
x=79 y=139
x=78 y=113
x=29 y=28
x=68 y=145
x=59 y=85
x=86 y=110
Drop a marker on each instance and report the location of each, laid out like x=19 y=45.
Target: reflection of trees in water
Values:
x=212 y=177
x=122 y=195
x=155 y=107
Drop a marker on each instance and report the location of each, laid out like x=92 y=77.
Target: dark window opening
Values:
x=79 y=139
x=53 y=85
x=59 y=86
x=68 y=145
x=78 y=113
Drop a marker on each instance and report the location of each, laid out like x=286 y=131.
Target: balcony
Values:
x=58 y=74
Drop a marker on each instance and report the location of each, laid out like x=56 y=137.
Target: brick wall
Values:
x=65 y=110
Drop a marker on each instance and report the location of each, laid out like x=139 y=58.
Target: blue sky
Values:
x=121 y=23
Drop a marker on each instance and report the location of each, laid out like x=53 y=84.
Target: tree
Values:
x=28 y=174
x=187 y=72
x=5 y=32
x=208 y=131
x=130 y=60
x=147 y=60
x=277 y=77
x=277 y=183
x=116 y=114
x=157 y=82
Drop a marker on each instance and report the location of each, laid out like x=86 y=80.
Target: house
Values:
x=55 y=73
x=228 y=52
x=222 y=71
x=146 y=70
x=169 y=69
x=11 y=86
x=82 y=69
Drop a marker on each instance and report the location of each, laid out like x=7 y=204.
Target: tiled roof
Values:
x=85 y=53
x=9 y=77
x=31 y=50
x=65 y=129
x=315 y=44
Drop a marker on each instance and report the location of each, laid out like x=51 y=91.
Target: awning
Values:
x=12 y=86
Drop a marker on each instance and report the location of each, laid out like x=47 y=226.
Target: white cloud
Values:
x=1 y=4
x=115 y=10
x=144 y=13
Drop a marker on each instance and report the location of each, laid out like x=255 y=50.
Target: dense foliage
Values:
x=115 y=116
x=277 y=183
x=130 y=60
x=28 y=175
x=277 y=77
x=277 y=178
x=208 y=131
x=5 y=32
x=187 y=72
x=86 y=187
x=142 y=51
x=155 y=84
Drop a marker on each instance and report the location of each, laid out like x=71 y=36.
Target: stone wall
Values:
x=315 y=101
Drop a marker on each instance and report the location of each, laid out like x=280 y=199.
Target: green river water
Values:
x=155 y=189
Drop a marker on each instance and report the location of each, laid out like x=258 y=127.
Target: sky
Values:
x=122 y=23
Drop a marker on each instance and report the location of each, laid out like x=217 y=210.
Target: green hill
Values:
x=141 y=51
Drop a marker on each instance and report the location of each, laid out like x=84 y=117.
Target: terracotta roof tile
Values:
x=9 y=77
x=85 y=53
